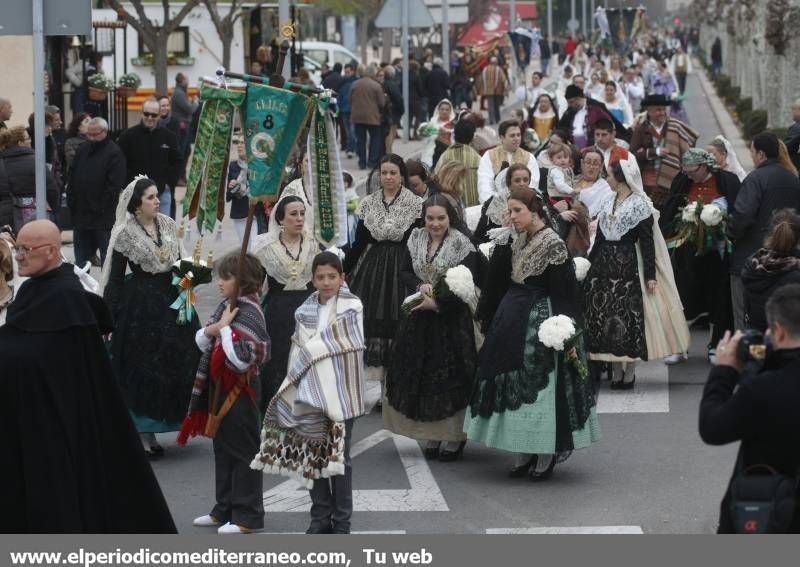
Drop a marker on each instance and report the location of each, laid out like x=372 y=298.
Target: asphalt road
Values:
x=649 y=474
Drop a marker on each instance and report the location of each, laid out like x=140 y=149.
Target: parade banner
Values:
x=205 y=189
x=325 y=177
x=521 y=44
x=274 y=120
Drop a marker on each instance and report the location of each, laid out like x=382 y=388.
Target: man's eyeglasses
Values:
x=150 y=114
x=22 y=251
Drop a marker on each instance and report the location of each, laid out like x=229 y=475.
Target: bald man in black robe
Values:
x=73 y=460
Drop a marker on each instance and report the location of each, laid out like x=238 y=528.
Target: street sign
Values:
x=573 y=25
x=458 y=11
x=391 y=15
x=61 y=17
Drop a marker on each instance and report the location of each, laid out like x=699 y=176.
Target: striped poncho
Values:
x=303 y=433
x=251 y=343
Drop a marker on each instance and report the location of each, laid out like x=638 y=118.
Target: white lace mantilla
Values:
x=292 y=274
x=530 y=256
x=389 y=222
x=617 y=223
x=137 y=246
x=455 y=247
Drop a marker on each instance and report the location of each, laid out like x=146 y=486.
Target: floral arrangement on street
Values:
x=582 y=266
x=457 y=281
x=559 y=333
x=187 y=274
x=703 y=225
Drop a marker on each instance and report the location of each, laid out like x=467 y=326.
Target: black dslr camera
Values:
x=752 y=348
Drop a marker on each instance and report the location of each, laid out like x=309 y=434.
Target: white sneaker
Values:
x=207 y=521
x=676 y=358
x=233 y=529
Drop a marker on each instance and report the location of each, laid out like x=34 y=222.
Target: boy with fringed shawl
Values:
x=224 y=399
x=309 y=422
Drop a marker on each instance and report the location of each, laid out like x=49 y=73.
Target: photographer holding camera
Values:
x=763 y=413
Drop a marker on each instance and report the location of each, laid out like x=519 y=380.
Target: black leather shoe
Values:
x=448 y=456
x=431 y=452
x=628 y=385
x=316 y=528
x=616 y=385
x=545 y=474
x=519 y=471
x=340 y=529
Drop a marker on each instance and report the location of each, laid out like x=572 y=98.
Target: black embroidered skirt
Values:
x=154 y=358
x=613 y=303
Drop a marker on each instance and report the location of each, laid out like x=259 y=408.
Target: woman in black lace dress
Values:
x=632 y=307
x=387 y=218
x=430 y=380
x=286 y=254
x=527 y=399
x=154 y=357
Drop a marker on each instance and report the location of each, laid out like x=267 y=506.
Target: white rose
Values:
x=555 y=331
x=582 y=266
x=689 y=213
x=459 y=281
x=711 y=215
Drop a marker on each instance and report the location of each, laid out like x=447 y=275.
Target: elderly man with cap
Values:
x=659 y=143
x=701 y=268
x=583 y=114
x=74 y=462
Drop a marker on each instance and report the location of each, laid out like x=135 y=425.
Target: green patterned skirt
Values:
x=526 y=399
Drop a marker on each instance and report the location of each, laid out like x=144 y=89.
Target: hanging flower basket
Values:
x=126 y=92
x=97 y=95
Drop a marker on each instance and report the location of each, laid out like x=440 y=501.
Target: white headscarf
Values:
x=120 y=220
x=734 y=166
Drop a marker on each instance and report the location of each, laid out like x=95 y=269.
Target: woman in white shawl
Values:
x=725 y=156
x=438 y=132
x=633 y=311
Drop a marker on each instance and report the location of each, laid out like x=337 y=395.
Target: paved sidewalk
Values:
x=728 y=127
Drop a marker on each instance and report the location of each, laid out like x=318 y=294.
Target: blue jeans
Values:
x=351 y=132
x=375 y=145
x=165 y=203
x=87 y=242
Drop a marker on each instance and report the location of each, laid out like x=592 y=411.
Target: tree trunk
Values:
x=363 y=25
x=160 y=67
x=386 y=52
x=226 y=37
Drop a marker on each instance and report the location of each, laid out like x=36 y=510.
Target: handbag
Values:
x=763 y=501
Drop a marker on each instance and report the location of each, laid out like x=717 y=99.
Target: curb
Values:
x=724 y=120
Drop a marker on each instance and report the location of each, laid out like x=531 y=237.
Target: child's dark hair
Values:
x=252 y=272
x=327 y=259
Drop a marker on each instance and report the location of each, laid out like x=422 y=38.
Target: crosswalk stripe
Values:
x=572 y=530
x=650 y=394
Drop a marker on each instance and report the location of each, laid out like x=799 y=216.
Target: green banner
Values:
x=205 y=188
x=325 y=177
x=273 y=122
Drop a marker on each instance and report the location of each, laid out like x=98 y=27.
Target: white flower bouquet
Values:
x=711 y=215
x=582 y=266
x=703 y=225
x=559 y=333
x=457 y=281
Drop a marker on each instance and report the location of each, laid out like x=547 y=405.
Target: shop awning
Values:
x=495 y=24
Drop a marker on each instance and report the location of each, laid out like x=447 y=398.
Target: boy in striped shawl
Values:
x=234 y=345
x=308 y=424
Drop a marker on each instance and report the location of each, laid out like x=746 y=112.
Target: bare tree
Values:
x=155 y=36
x=226 y=25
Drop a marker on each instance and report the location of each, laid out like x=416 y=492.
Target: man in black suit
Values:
x=762 y=411
x=792 y=139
